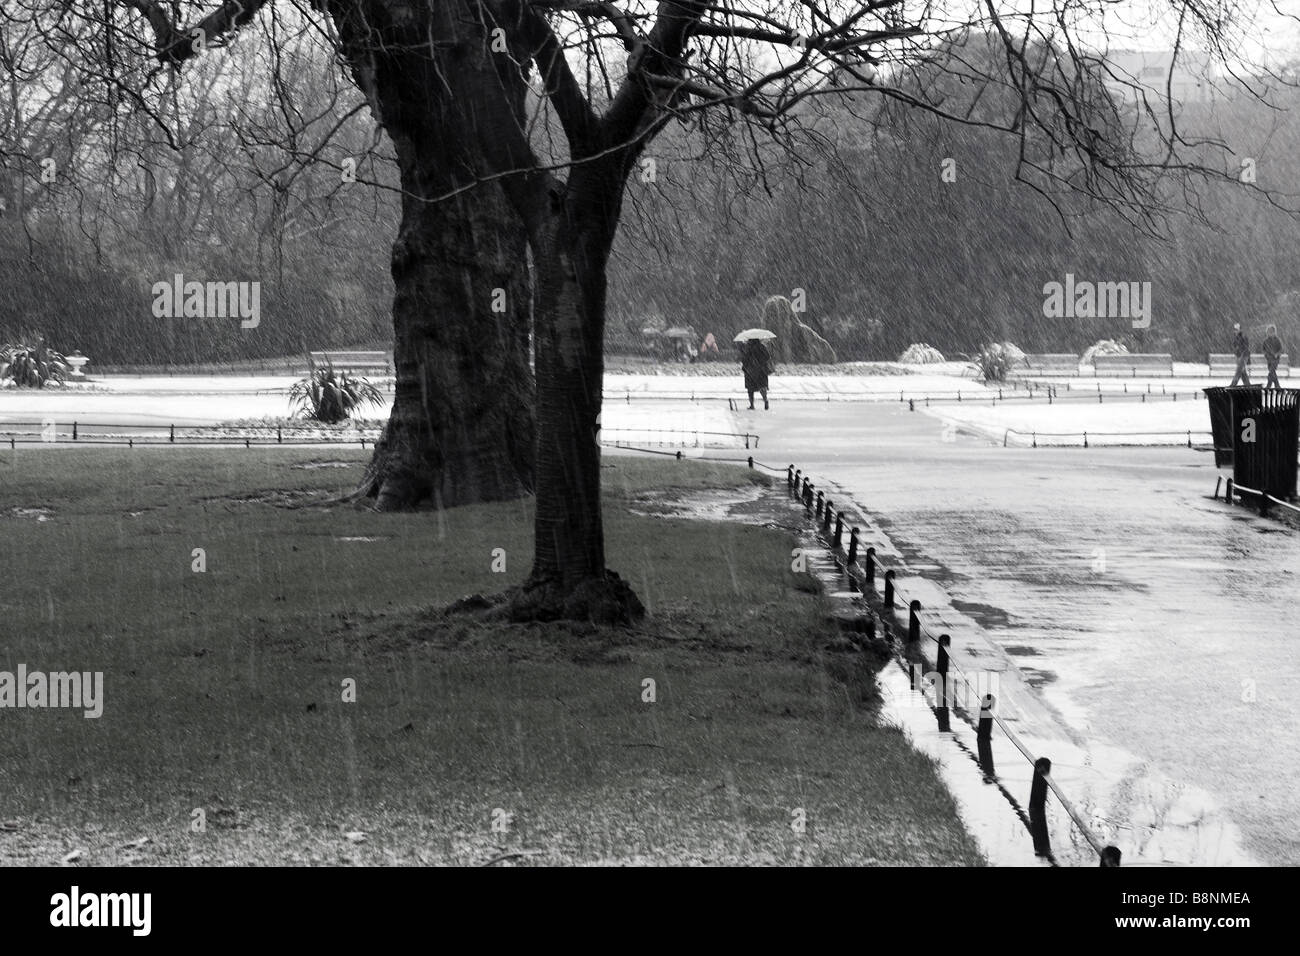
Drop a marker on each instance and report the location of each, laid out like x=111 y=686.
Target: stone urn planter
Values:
x=76 y=361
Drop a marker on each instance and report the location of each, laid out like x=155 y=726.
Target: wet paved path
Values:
x=1155 y=630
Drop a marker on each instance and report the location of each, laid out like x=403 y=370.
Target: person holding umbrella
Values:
x=755 y=362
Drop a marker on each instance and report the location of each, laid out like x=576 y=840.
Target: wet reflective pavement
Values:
x=1142 y=633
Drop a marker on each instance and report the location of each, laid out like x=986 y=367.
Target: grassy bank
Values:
x=224 y=688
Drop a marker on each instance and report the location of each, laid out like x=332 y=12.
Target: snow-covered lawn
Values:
x=675 y=410
x=1162 y=422
x=802 y=387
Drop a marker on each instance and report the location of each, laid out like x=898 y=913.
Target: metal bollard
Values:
x=1038 y=807
x=984 y=735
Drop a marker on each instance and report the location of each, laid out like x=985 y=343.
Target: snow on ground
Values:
x=673 y=424
x=791 y=387
x=1156 y=422
x=1154 y=384
x=685 y=408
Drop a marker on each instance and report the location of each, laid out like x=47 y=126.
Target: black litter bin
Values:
x=1262 y=458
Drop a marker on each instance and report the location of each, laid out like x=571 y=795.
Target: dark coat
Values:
x=1272 y=349
x=1241 y=347
x=756 y=363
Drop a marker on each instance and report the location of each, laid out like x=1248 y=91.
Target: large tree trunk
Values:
x=569 y=579
x=461 y=429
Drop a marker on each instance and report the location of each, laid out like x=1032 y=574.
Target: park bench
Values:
x=1225 y=364
x=1048 y=363
x=1134 y=364
x=359 y=363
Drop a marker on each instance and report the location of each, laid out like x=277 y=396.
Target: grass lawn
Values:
x=224 y=689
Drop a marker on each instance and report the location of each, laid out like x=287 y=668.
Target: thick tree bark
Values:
x=461 y=429
x=569 y=578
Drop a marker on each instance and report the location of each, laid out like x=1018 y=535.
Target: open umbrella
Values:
x=760 y=334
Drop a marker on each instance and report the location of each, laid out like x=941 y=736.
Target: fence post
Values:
x=171 y=433
x=827 y=511
x=279 y=436
x=1110 y=856
x=913 y=617
x=889 y=589
x=984 y=734
x=944 y=687
x=869 y=567
x=808 y=494
x=839 y=530
x=853 y=546
x=1038 y=807
x=1227 y=496
x=74 y=431
x=821 y=498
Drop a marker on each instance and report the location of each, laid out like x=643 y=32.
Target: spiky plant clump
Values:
x=30 y=366
x=994 y=360
x=331 y=396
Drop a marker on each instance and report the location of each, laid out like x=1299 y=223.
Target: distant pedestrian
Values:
x=1241 y=348
x=756 y=363
x=1272 y=355
x=709 y=348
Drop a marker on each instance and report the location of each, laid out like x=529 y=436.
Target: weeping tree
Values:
x=525 y=119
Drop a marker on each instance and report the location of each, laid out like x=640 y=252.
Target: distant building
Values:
x=1190 y=80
